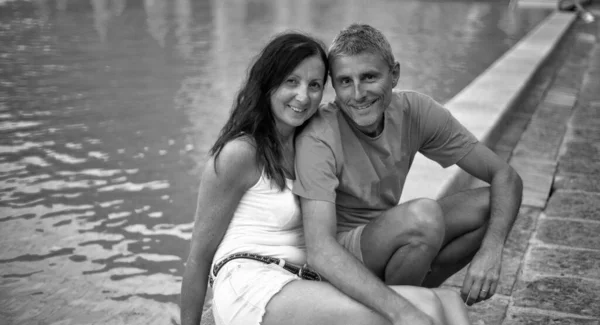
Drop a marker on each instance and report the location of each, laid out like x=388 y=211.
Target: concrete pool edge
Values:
x=482 y=105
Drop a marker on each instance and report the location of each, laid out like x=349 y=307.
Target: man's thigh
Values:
x=465 y=212
x=417 y=220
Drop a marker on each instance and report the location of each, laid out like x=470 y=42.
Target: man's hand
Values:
x=506 y=191
x=482 y=275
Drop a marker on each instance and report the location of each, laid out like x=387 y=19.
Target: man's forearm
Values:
x=505 y=200
x=351 y=277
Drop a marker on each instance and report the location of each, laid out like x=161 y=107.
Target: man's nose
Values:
x=359 y=92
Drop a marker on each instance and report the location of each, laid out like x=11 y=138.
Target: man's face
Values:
x=363 y=86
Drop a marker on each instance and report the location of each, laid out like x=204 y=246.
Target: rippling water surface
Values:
x=107 y=109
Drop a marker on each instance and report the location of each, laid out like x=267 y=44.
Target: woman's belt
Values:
x=304 y=272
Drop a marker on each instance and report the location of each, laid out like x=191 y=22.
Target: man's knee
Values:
x=418 y=224
x=426 y=223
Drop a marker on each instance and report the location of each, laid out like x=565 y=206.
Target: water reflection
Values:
x=156 y=11
x=107 y=110
x=102 y=16
x=183 y=22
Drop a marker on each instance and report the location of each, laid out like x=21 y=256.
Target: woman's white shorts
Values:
x=243 y=288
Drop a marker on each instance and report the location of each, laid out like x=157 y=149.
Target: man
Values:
x=351 y=164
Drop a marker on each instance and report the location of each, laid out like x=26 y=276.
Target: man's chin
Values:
x=365 y=124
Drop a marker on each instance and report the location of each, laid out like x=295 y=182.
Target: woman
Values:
x=248 y=236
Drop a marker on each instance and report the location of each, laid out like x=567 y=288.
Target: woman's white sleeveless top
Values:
x=267 y=222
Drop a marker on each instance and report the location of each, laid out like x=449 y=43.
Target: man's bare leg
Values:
x=400 y=245
x=406 y=242
x=466 y=215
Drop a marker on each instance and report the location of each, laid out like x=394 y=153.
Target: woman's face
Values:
x=299 y=95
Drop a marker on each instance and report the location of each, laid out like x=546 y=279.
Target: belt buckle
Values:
x=312 y=275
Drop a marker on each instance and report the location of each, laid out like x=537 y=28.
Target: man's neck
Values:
x=374 y=132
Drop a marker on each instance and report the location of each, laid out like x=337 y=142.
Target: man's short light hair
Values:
x=359 y=38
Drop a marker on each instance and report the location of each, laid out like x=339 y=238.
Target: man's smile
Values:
x=363 y=107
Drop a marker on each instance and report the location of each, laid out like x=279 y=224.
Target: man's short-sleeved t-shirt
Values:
x=363 y=175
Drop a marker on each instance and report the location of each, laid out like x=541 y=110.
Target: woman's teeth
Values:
x=297 y=110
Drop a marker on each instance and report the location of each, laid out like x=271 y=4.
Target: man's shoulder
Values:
x=412 y=104
x=404 y=98
x=324 y=124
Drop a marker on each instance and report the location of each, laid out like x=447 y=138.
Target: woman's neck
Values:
x=286 y=137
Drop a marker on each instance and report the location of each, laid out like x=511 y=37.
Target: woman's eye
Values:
x=315 y=86
x=291 y=81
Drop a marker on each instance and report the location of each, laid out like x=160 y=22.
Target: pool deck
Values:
x=551 y=262
x=540 y=112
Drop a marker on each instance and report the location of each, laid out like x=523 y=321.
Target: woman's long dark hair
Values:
x=251 y=114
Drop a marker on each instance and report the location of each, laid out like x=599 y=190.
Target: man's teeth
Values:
x=365 y=107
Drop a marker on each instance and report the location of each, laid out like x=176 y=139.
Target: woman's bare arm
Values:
x=221 y=189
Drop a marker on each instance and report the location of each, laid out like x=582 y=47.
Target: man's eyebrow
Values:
x=341 y=76
x=371 y=71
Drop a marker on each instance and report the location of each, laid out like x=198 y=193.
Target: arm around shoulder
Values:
x=224 y=181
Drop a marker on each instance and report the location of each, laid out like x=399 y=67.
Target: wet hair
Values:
x=359 y=38
x=251 y=113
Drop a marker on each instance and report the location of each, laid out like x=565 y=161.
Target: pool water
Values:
x=108 y=108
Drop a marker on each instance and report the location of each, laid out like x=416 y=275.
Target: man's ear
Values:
x=395 y=73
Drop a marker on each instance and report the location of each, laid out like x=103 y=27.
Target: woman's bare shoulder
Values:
x=236 y=162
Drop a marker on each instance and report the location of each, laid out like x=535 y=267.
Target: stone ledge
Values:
x=573 y=233
x=564 y=262
x=491 y=311
x=574 y=205
x=576 y=182
x=497 y=101
x=555 y=294
x=532 y=316
x=513 y=253
x=537 y=175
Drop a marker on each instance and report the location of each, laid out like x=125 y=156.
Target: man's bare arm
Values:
x=506 y=190
x=347 y=273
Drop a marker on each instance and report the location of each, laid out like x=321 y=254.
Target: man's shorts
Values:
x=351 y=240
x=243 y=288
